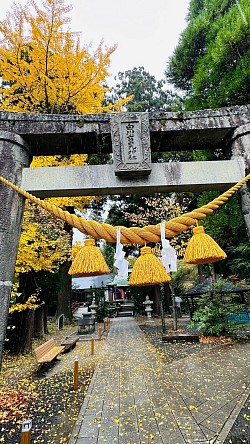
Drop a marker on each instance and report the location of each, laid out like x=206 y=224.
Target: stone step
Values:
x=125 y=313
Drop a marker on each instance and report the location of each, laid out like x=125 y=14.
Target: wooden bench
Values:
x=69 y=343
x=48 y=351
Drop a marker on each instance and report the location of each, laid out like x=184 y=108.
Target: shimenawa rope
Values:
x=132 y=235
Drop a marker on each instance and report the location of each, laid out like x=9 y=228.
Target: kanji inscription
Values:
x=131 y=143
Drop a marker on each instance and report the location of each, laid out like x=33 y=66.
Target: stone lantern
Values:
x=93 y=307
x=148 y=308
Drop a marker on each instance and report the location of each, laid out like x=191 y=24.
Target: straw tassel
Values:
x=89 y=261
x=202 y=248
x=148 y=270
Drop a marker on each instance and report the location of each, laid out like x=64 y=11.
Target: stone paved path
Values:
x=136 y=398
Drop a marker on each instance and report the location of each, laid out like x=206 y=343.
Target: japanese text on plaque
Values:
x=132 y=143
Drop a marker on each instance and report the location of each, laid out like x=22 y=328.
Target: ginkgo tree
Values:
x=45 y=69
x=44 y=246
x=43 y=66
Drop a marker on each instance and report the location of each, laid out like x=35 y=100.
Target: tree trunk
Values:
x=157 y=300
x=45 y=319
x=22 y=334
x=167 y=294
x=39 y=315
x=64 y=293
x=200 y=273
x=27 y=331
x=65 y=283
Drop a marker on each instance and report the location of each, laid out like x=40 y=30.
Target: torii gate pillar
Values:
x=14 y=155
x=240 y=146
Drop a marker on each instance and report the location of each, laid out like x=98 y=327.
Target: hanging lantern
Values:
x=202 y=249
x=148 y=270
x=89 y=261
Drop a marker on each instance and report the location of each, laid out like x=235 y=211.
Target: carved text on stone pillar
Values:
x=131 y=143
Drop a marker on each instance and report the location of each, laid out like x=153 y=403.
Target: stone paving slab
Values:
x=136 y=398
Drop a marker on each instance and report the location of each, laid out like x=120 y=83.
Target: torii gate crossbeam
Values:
x=100 y=180
x=24 y=135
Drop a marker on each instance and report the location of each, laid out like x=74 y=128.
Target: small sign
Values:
x=60 y=322
x=27 y=424
x=239 y=317
x=131 y=143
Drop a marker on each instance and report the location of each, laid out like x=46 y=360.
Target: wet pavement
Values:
x=135 y=397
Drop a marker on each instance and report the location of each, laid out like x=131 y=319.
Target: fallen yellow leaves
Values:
x=192 y=407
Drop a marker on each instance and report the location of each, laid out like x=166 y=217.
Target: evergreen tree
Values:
x=147 y=93
x=211 y=63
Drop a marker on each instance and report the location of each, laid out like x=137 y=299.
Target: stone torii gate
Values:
x=131 y=137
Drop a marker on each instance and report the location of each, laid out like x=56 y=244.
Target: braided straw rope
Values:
x=133 y=235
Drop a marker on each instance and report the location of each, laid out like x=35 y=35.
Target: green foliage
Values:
x=102 y=310
x=98 y=158
x=138 y=295
x=195 y=8
x=211 y=318
x=240 y=260
x=185 y=274
x=227 y=219
x=138 y=210
x=211 y=62
x=148 y=94
x=108 y=252
x=202 y=155
x=211 y=65
x=182 y=65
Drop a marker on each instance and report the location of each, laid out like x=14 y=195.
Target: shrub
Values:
x=211 y=318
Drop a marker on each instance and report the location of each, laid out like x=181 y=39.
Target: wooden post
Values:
x=76 y=374
x=163 y=324
x=174 y=308
x=100 y=333
x=26 y=431
x=92 y=346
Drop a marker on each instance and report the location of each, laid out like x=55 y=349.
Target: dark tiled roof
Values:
x=206 y=287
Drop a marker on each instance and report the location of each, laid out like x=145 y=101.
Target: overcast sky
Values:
x=145 y=31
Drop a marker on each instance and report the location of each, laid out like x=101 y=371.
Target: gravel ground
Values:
x=240 y=432
x=45 y=395
x=172 y=351
x=53 y=407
